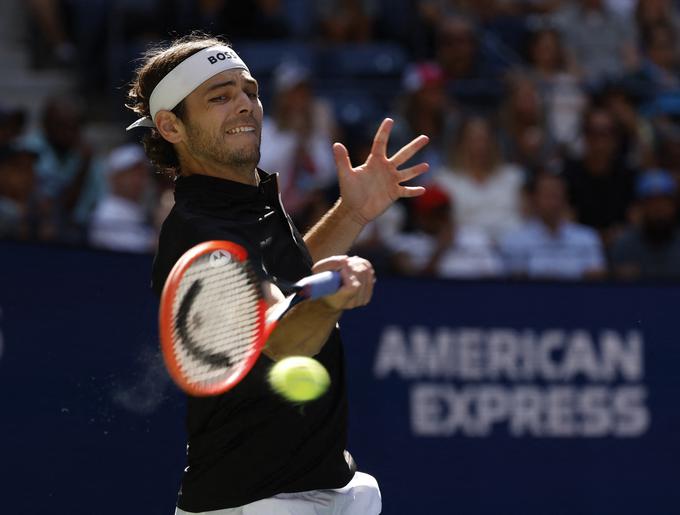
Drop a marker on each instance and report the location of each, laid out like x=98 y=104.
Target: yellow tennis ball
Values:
x=299 y=379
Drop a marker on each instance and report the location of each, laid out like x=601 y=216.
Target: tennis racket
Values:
x=213 y=317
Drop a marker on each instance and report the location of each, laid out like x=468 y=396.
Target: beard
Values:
x=212 y=147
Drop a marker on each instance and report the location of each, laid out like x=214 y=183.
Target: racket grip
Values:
x=320 y=285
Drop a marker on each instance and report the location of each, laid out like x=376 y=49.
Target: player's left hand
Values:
x=369 y=189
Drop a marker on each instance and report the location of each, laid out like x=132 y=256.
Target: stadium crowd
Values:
x=554 y=127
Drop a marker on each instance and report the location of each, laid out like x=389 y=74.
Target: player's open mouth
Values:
x=237 y=130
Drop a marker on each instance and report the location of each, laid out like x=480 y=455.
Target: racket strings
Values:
x=216 y=319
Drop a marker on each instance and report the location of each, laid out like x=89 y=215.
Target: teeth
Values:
x=240 y=129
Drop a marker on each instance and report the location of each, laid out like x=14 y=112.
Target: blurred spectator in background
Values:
x=468 y=79
x=20 y=216
x=559 y=85
x=65 y=166
x=651 y=248
x=486 y=189
x=438 y=247
x=524 y=137
x=12 y=124
x=424 y=108
x=548 y=245
x=121 y=220
x=637 y=137
x=48 y=16
x=601 y=186
x=658 y=72
x=296 y=142
x=599 y=39
x=668 y=151
x=347 y=21
x=652 y=12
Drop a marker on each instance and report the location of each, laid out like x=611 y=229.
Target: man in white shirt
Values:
x=440 y=248
x=120 y=220
x=548 y=245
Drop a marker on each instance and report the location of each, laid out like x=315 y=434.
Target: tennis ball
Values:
x=299 y=379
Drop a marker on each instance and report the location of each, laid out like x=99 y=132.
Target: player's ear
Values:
x=169 y=126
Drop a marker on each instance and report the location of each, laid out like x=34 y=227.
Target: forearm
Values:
x=335 y=233
x=302 y=331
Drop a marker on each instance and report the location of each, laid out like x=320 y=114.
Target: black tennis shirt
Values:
x=248 y=443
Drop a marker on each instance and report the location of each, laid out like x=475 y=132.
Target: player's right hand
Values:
x=358 y=278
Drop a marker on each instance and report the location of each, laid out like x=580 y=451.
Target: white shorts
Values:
x=361 y=496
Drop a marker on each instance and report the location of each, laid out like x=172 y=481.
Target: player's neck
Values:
x=245 y=174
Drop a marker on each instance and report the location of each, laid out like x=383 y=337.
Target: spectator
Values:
x=559 y=85
x=548 y=245
x=440 y=248
x=424 y=109
x=20 y=216
x=601 y=42
x=65 y=166
x=297 y=142
x=347 y=21
x=636 y=131
x=468 y=80
x=658 y=72
x=653 y=12
x=601 y=186
x=121 y=221
x=487 y=190
x=12 y=123
x=48 y=16
x=525 y=139
x=668 y=154
x=651 y=249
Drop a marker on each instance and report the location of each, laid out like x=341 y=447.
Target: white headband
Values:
x=186 y=77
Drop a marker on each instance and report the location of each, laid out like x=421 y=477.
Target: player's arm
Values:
x=305 y=328
x=365 y=192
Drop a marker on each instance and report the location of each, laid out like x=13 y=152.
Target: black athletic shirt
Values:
x=248 y=443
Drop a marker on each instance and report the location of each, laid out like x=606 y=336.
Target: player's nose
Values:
x=244 y=103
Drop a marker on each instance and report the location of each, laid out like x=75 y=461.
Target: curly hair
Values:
x=156 y=63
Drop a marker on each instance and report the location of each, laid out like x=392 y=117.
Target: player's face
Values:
x=224 y=121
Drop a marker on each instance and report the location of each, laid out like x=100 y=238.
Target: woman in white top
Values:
x=487 y=190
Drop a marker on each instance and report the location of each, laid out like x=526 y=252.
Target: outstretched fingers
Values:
x=341 y=156
x=413 y=171
x=381 y=138
x=411 y=191
x=409 y=150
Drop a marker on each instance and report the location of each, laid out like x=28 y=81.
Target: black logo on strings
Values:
x=214 y=359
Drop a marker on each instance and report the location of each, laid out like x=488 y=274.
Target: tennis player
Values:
x=249 y=451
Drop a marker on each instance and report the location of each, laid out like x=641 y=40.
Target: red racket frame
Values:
x=166 y=321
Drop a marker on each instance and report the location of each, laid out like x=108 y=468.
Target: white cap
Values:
x=124 y=157
x=287 y=75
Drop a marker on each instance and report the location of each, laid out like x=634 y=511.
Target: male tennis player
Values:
x=249 y=451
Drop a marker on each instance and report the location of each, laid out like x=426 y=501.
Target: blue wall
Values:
x=466 y=398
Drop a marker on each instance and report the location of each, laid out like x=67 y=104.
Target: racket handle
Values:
x=319 y=285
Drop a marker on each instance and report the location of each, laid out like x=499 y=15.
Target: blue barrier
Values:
x=466 y=397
